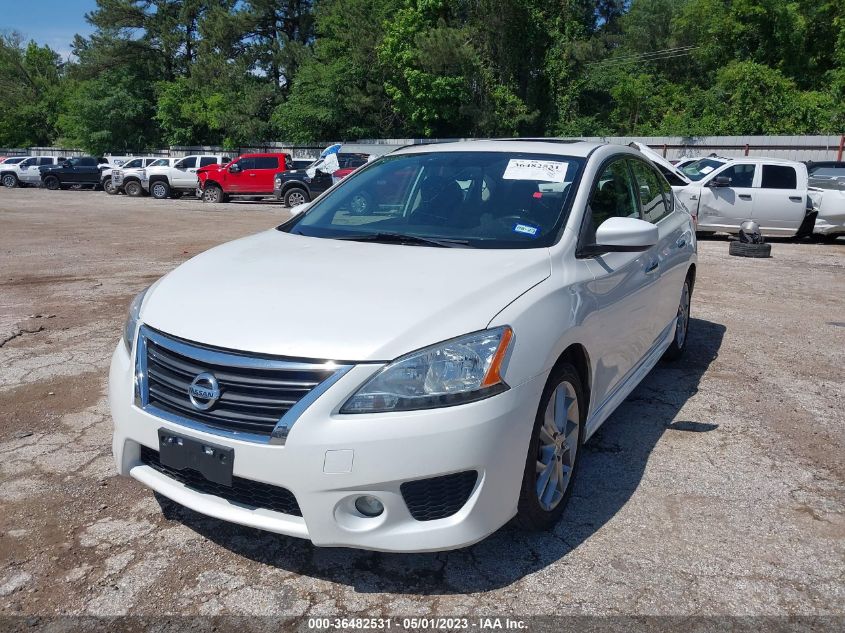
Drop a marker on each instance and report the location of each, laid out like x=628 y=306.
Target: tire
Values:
x=10 y=181
x=133 y=188
x=160 y=190
x=554 y=452
x=52 y=183
x=679 y=342
x=295 y=196
x=741 y=249
x=360 y=204
x=213 y=194
x=108 y=187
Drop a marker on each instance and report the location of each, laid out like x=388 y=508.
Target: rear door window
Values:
x=266 y=162
x=779 y=177
x=207 y=160
x=188 y=163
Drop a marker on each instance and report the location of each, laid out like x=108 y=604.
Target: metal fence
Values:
x=803 y=148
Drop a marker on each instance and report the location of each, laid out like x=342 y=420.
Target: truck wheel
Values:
x=133 y=188
x=160 y=190
x=295 y=196
x=108 y=187
x=213 y=193
x=52 y=183
x=10 y=181
x=741 y=249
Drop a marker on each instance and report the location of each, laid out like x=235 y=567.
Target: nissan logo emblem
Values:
x=204 y=391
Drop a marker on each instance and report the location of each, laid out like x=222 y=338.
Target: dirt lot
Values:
x=717 y=488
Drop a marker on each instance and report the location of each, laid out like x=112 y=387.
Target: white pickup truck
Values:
x=179 y=177
x=771 y=192
x=110 y=177
x=25 y=173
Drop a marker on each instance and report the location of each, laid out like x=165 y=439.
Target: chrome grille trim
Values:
x=165 y=366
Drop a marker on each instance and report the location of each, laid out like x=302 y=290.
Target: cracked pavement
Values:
x=717 y=488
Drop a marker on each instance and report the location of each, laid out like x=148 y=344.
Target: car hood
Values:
x=288 y=295
x=207 y=168
x=657 y=159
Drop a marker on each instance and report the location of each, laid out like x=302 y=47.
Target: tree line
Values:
x=234 y=72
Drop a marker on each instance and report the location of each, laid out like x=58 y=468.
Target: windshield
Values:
x=476 y=199
x=698 y=169
x=13 y=161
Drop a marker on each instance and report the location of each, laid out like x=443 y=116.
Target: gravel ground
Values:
x=717 y=488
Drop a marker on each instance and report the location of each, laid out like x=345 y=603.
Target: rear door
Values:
x=727 y=207
x=779 y=206
x=184 y=173
x=265 y=168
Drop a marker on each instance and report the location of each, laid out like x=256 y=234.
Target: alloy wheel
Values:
x=159 y=191
x=295 y=199
x=558 y=446
x=212 y=194
x=682 y=323
x=9 y=181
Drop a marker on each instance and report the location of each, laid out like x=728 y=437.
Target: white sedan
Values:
x=412 y=378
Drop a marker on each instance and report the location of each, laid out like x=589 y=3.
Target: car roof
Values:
x=558 y=146
x=260 y=154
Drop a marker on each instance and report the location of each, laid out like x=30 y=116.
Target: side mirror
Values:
x=720 y=181
x=67 y=164
x=234 y=169
x=300 y=208
x=623 y=235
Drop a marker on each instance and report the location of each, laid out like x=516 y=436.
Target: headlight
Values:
x=132 y=320
x=457 y=371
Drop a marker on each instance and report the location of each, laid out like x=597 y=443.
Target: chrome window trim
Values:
x=279 y=435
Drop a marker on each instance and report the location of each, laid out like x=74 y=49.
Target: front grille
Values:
x=253 y=494
x=253 y=395
x=438 y=497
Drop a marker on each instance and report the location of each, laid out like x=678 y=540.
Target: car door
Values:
x=240 y=180
x=657 y=205
x=320 y=182
x=779 y=206
x=184 y=173
x=728 y=206
x=265 y=168
x=620 y=327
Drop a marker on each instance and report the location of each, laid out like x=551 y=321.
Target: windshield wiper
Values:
x=399 y=238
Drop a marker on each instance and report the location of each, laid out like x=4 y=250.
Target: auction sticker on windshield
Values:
x=528 y=169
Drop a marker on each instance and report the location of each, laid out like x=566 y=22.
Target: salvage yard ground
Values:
x=718 y=487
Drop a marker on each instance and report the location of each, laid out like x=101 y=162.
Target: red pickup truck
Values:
x=247 y=175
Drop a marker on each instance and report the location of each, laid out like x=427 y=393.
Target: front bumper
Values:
x=379 y=453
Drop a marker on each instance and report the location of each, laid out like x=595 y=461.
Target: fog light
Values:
x=369 y=506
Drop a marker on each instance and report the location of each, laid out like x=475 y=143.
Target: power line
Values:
x=667 y=53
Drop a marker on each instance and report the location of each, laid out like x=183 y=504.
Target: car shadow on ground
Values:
x=611 y=469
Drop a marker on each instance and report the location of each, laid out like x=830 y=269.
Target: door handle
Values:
x=745 y=196
x=796 y=198
x=693 y=197
x=652 y=266
x=681 y=242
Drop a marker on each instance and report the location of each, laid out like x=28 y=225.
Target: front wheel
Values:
x=553 y=454
x=160 y=190
x=108 y=187
x=212 y=194
x=133 y=189
x=679 y=343
x=10 y=181
x=294 y=197
x=52 y=183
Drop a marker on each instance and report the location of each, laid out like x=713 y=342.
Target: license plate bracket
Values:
x=212 y=461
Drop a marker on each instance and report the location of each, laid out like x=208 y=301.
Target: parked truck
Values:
x=179 y=177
